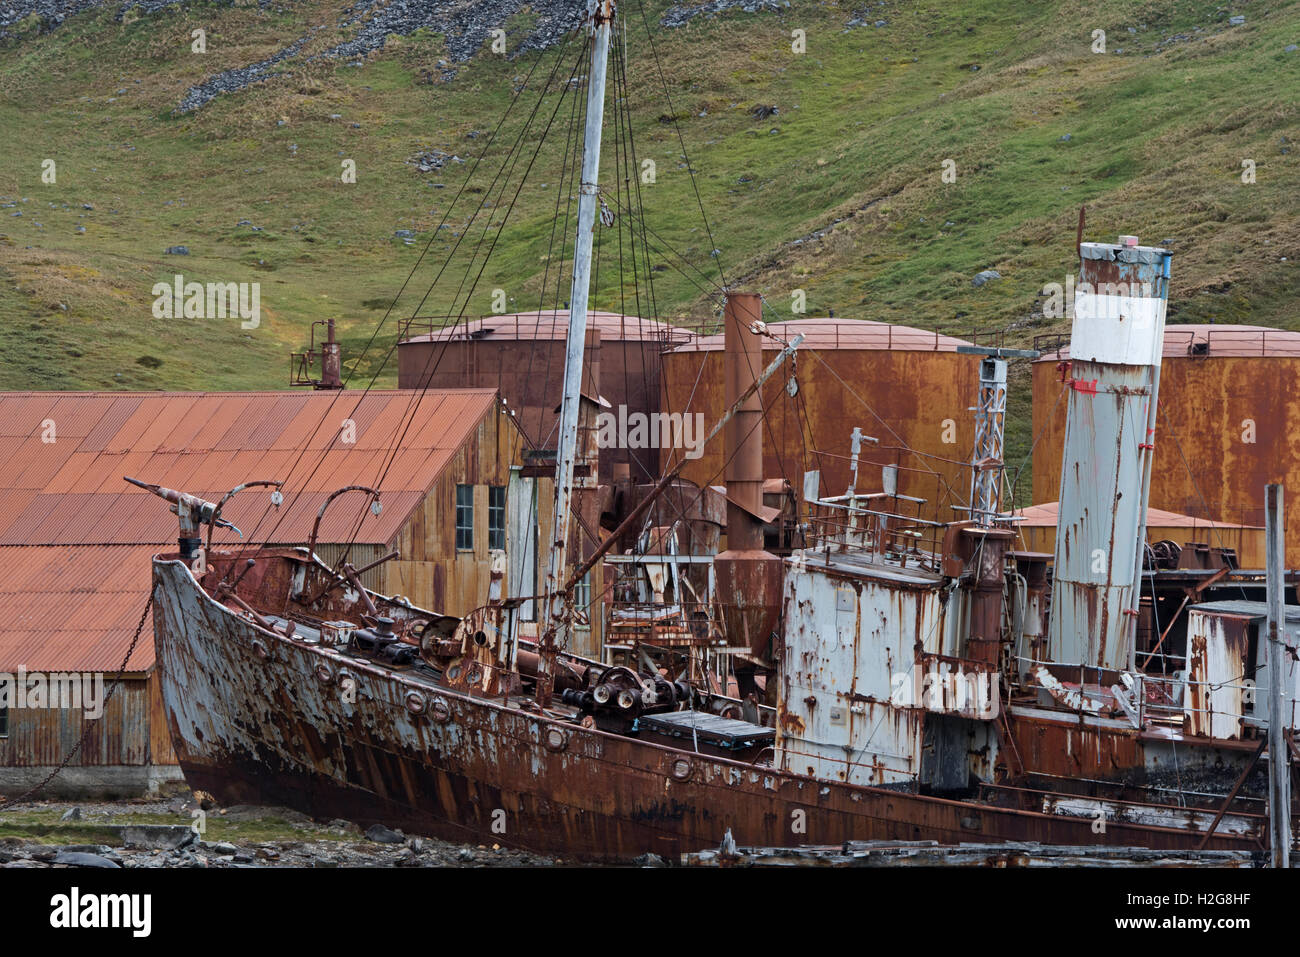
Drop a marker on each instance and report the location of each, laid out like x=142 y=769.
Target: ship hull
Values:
x=257 y=717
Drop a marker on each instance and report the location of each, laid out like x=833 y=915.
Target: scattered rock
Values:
x=1236 y=21
x=988 y=275
x=81 y=859
x=157 y=836
x=177 y=250
x=683 y=14
x=71 y=814
x=382 y=835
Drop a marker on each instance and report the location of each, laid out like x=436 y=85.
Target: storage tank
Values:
x=1228 y=404
x=522 y=356
x=906 y=387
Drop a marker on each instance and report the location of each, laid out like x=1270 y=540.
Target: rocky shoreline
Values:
x=163 y=834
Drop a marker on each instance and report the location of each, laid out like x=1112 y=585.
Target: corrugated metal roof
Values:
x=1247 y=609
x=74 y=607
x=1206 y=340
x=71 y=490
x=840 y=333
x=1045 y=515
x=554 y=324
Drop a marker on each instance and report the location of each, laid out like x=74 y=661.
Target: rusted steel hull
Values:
x=259 y=717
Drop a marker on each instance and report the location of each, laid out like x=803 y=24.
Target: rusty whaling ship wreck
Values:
x=925 y=680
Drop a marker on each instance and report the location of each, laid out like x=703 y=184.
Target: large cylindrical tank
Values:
x=522 y=356
x=1224 y=429
x=906 y=387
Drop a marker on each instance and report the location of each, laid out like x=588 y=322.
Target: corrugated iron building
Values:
x=901 y=385
x=76 y=540
x=1227 y=401
x=1037 y=532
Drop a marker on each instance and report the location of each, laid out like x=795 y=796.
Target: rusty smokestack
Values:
x=331 y=361
x=1114 y=380
x=748 y=578
x=743 y=360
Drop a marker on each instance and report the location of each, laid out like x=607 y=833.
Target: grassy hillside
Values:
x=1149 y=135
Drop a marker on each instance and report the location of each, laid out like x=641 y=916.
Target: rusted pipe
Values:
x=374 y=496
x=338 y=583
x=743 y=357
x=352 y=576
x=216 y=515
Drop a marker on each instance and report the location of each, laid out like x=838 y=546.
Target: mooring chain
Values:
x=90 y=726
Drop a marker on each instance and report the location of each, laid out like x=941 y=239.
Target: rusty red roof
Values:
x=836 y=332
x=74 y=608
x=1046 y=515
x=1210 y=340
x=554 y=324
x=63 y=455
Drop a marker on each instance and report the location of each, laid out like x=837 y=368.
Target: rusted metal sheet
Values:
x=900 y=385
x=848 y=664
x=43 y=736
x=66 y=608
x=209 y=443
x=1218 y=659
x=1223 y=432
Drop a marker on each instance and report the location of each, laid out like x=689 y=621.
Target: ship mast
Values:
x=557 y=597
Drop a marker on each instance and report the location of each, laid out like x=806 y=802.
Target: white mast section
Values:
x=554 y=634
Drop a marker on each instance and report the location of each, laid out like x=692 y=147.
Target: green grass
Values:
x=867 y=118
x=45 y=826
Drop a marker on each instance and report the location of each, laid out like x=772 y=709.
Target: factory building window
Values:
x=497 y=516
x=464 y=518
x=4 y=722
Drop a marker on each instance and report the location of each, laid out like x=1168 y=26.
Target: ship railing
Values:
x=1201 y=342
x=847 y=525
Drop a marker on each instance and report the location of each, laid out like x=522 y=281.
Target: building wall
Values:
x=127 y=752
x=431 y=571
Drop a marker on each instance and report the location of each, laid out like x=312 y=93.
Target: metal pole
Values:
x=1279 y=764
x=566 y=452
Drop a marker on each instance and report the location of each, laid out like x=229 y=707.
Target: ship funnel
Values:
x=748 y=578
x=1113 y=386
